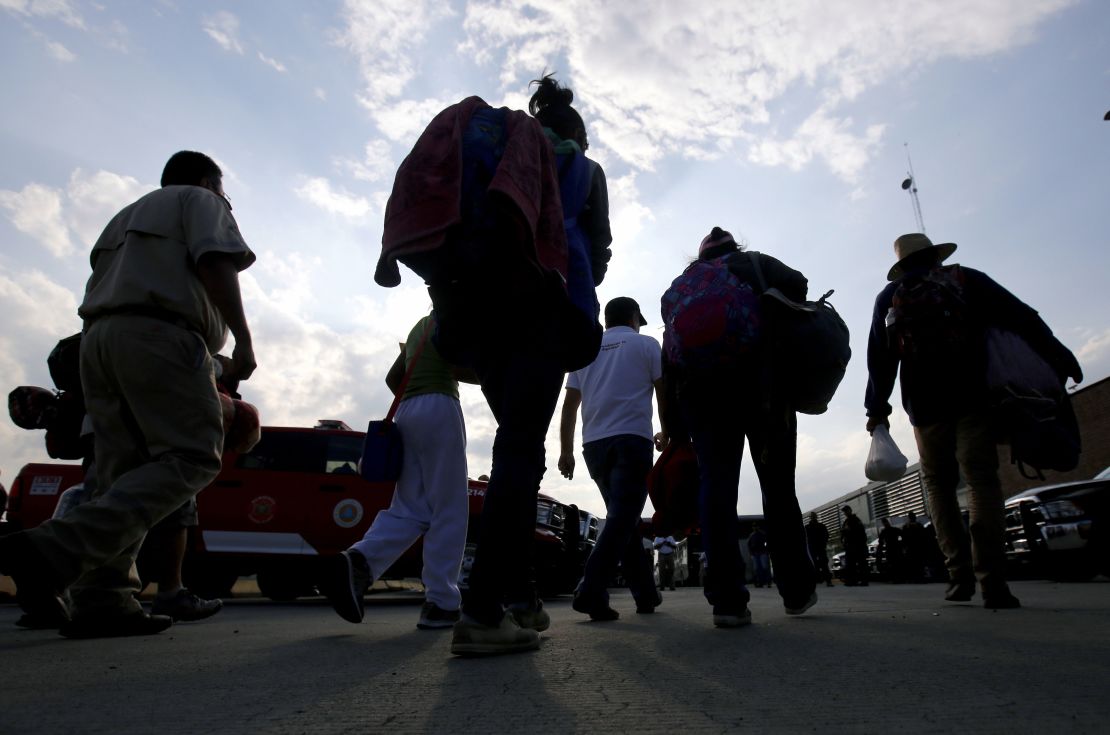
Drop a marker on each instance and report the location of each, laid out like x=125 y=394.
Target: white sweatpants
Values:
x=430 y=498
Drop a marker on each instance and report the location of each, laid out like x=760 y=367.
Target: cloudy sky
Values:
x=783 y=122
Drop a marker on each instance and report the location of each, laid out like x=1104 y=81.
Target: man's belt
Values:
x=152 y=312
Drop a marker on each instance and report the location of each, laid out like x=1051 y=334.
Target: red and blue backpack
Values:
x=710 y=317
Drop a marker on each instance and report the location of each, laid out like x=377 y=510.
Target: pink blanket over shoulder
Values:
x=426 y=196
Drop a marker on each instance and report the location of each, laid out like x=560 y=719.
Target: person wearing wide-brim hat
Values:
x=916 y=249
x=932 y=340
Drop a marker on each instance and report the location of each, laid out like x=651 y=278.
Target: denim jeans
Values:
x=619 y=465
x=761 y=562
x=721 y=414
x=522 y=387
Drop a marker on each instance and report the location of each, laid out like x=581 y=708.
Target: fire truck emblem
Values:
x=263 y=509
x=347 y=513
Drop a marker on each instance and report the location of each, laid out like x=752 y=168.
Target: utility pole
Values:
x=910 y=185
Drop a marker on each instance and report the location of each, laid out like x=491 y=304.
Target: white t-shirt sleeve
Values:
x=573 y=381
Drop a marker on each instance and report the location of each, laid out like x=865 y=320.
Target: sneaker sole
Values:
x=190 y=617
x=341 y=590
x=435 y=624
x=799 y=610
x=732 y=621
x=472 y=650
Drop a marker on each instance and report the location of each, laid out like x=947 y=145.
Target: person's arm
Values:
x=219 y=274
x=662 y=439
x=594 y=221
x=571 y=401
x=882 y=367
x=1006 y=310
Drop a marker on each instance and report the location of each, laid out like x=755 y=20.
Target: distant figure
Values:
x=728 y=396
x=163 y=293
x=761 y=560
x=888 y=554
x=854 y=537
x=665 y=546
x=915 y=548
x=615 y=395
x=430 y=498
x=817 y=538
x=928 y=323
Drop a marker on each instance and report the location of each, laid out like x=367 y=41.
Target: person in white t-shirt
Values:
x=615 y=395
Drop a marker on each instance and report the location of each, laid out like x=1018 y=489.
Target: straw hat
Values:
x=915 y=242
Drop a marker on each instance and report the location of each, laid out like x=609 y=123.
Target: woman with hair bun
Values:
x=581 y=180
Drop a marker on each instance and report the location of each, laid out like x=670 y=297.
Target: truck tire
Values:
x=208 y=578
x=282 y=584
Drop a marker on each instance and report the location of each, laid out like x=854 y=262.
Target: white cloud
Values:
x=62 y=10
x=60 y=52
x=52 y=217
x=319 y=191
x=223 y=28
x=695 y=80
x=94 y=198
x=384 y=35
x=627 y=216
x=321 y=94
x=825 y=137
x=376 y=165
x=1094 y=356
x=272 y=63
x=36 y=210
x=403 y=121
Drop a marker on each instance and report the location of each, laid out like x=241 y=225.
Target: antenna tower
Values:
x=910 y=185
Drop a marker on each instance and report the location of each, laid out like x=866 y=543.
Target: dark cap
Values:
x=623 y=310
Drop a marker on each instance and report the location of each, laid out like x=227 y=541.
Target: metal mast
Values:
x=910 y=185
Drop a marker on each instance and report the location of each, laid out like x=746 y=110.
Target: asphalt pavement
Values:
x=864 y=660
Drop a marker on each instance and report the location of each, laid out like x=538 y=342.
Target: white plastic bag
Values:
x=885 y=462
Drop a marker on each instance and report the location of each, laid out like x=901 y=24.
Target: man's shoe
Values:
x=731 y=618
x=185 y=607
x=799 y=609
x=602 y=613
x=344 y=579
x=649 y=608
x=531 y=618
x=36 y=590
x=115 y=626
x=960 y=591
x=471 y=638
x=40 y=622
x=1001 y=600
x=434 y=617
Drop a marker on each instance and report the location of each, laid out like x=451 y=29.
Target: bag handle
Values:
x=408 y=373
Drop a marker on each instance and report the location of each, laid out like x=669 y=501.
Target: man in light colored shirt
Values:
x=615 y=395
x=163 y=294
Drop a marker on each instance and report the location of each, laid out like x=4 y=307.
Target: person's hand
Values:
x=661 y=441
x=242 y=361
x=566 y=465
x=875 y=421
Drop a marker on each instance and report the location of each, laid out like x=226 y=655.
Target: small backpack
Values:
x=710 y=318
x=929 y=318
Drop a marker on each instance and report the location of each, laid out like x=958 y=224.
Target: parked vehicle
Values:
x=1060 y=530
x=292 y=498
